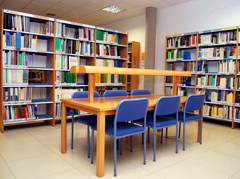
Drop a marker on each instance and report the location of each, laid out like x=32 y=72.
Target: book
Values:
x=16 y=95
x=15 y=77
x=183 y=41
x=106 y=36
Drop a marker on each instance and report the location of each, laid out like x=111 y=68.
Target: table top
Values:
x=111 y=103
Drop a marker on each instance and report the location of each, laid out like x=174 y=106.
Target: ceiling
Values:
x=86 y=11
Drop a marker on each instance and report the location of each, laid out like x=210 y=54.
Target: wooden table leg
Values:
x=100 y=143
x=63 y=129
x=199 y=127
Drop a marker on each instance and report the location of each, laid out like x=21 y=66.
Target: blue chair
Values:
x=140 y=92
x=194 y=102
x=115 y=93
x=167 y=105
x=143 y=92
x=127 y=110
x=87 y=120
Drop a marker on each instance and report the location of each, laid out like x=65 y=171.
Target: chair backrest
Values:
x=131 y=110
x=84 y=94
x=113 y=93
x=167 y=105
x=194 y=102
x=141 y=92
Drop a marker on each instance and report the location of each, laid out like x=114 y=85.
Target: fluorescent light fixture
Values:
x=113 y=9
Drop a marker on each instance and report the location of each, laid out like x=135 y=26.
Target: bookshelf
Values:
x=133 y=62
x=212 y=58
x=38 y=53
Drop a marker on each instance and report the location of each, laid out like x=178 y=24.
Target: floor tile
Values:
x=1 y=159
x=219 y=135
x=40 y=166
x=55 y=144
x=235 y=140
x=152 y=176
x=189 y=170
x=15 y=139
x=125 y=170
x=22 y=151
x=5 y=173
x=228 y=149
x=217 y=161
x=163 y=160
x=237 y=175
x=71 y=174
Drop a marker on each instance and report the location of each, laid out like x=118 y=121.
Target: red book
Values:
x=102 y=78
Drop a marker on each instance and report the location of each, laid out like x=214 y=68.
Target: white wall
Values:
x=195 y=15
x=135 y=27
x=189 y=17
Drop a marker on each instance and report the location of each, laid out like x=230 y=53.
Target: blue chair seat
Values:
x=123 y=128
x=85 y=119
x=160 y=121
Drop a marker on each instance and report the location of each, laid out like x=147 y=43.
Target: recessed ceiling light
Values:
x=113 y=9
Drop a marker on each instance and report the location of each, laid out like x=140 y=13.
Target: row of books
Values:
x=62 y=77
x=169 y=90
x=39 y=93
x=74 y=47
x=219 y=96
x=15 y=58
x=107 y=50
x=107 y=36
x=16 y=95
x=219 y=52
x=27 y=24
x=61 y=93
x=238 y=83
x=171 y=67
x=16 y=113
x=226 y=66
x=178 y=54
x=216 y=81
x=184 y=41
x=11 y=76
x=223 y=112
x=81 y=33
x=184 y=81
x=237 y=114
x=218 y=38
x=26 y=41
x=189 y=66
x=108 y=78
x=182 y=92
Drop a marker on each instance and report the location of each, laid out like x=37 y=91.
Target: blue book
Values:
x=35 y=111
x=7 y=39
x=10 y=111
x=86 y=47
x=18 y=40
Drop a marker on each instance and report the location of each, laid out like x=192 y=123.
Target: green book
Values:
x=20 y=59
x=97 y=34
x=74 y=78
x=121 y=78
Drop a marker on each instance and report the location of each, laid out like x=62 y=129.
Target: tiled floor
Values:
x=34 y=152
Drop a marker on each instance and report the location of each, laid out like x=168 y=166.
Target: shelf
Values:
x=75 y=23
x=179 y=48
x=109 y=84
x=27 y=68
x=26 y=50
x=70 y=85
x=111 y=57
x=70 y=54
x=216 y=59
x=186 y=87
x=111 y=30
x=222 y=74
x=26 y=103
x=69 y=38
x=214 y=88
x=26 y=85
x=15 y=31
x=107 y=43
x=57 y=69
x=217 y=118
x=219 y=103
x=212 y=45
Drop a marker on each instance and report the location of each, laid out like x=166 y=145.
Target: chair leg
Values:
x=117 y=144
x=131 y=144
x=88 y=142
x=166 y=132
x=154 y=145
x=144 y=152
x=121 y=146
x=92 y=147
x=177 y=137
x=179 y=130
x=72 y=134
x=162 y=136
x=148 y=134
x=184 y=136
x=201 y=133
x=115 y=157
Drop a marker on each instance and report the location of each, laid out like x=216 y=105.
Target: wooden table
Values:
x=103 y=107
